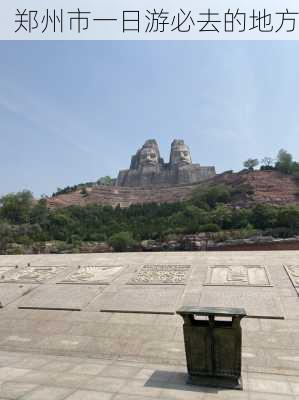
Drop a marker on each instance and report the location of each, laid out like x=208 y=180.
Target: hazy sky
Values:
x=72 y=112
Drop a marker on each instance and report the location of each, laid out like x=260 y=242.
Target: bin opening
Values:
x=206 y=318
x=206 y=323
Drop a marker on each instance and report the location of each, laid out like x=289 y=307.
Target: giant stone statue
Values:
x=148 y=156
x=148 y=168
x=180 y=153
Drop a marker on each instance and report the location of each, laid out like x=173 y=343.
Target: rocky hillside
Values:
x=270 y=187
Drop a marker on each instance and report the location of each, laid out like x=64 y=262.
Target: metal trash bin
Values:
x=213 y=346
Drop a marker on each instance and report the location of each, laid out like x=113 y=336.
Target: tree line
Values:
x=284 y=163
x=25 y=221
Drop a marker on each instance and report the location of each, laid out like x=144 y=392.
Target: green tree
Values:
x=288 y=217
x=263 y=216
x=62 y=225
x=209 y=197
x=251 y=163
x=39 y=213
x=105 y=180
x=267 y=164
x=222 y=216
x=122 y=241
x=295 y=170
x=15 y=207
x=209 y=228
x=6 y=236
x=241 y=218
x=284 y=161
x=267 y=161
x=218 y=194
x=188 y=220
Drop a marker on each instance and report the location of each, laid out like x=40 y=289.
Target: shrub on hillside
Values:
x=122 y=241
x=209 y=228
x=288 y=217
x=84 y=192
x=211 y=196
x=263 y=216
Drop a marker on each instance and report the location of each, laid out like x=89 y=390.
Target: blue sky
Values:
x=72 y=112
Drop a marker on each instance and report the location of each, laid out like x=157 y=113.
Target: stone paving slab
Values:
x=256 y=303
x=143 y=299
x=10 y=292
x=279 y=277
x=60 y=297
x=75 y=378
x=293 y=273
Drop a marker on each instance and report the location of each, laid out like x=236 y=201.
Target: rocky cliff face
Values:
x=149 y=169
x=269 y=187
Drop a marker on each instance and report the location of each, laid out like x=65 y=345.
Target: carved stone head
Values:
x=180 y=153
x=148 y=156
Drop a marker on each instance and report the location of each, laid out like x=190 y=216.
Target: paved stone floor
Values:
x=29 y=376
x=90 y=354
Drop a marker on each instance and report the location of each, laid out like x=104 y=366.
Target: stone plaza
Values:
x=104 y=326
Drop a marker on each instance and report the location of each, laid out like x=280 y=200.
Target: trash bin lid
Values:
x=215 y=311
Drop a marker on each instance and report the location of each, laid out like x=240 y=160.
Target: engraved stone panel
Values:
x=9 y=292
x=243 y=275
x=90 y=275
x=256 y=303
x=7 y=268
x=293 y=273
x=160 y=274
x=31 y=274
x=143 y=299
x=61 y=297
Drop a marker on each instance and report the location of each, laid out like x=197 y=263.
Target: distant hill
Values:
x=271 y=187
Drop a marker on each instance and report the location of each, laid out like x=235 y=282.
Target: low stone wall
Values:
x=185 y=243
x=282 y=245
